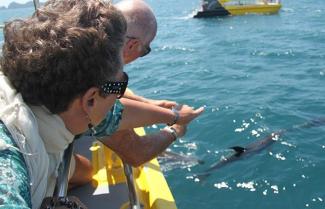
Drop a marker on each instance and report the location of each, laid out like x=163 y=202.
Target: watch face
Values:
x=172 y=131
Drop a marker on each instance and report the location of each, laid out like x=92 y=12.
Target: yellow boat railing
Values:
x=147 y=184
x=249 y=2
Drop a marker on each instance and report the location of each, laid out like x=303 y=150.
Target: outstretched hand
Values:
x=187 y=113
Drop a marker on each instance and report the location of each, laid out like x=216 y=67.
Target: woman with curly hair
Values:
x=61 y=72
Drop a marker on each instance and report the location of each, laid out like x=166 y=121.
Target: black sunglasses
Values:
x=146 y=50
x=115 y=87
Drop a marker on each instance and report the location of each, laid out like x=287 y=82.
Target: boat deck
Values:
x=106 y=196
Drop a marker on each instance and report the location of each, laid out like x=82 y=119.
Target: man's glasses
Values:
x=115 y=87
x=146 y=50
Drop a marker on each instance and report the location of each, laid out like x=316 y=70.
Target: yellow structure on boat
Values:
x=212 y=8
x=111 y=187
x=150 y=184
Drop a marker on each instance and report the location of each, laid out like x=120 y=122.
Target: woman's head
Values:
x=66 y=48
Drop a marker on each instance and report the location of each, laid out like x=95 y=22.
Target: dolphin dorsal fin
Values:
x=239 y=150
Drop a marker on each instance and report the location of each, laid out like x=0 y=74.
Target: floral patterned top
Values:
x=14 y=177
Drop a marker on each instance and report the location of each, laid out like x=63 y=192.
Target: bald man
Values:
x=141 y=30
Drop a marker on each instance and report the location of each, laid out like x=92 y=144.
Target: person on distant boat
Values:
x=59 y=74
x=208 y=5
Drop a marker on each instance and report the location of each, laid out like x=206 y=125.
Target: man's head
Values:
x=141 y=28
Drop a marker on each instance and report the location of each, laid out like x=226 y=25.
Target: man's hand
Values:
x=187 y=114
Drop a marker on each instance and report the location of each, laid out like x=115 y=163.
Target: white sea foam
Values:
x=244 y=126
x=222 y=185
x=214 y=109
x=248 y=185
x=255 y=133
x=275 y=189
x=279 y=156
x=191 y=146
x=287 y=144
x=239 y=129
x=177 y=48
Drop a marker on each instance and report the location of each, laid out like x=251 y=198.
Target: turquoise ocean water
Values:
x=255 y=74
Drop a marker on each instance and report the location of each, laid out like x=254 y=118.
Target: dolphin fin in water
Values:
x=239 y=150
x=257 y=146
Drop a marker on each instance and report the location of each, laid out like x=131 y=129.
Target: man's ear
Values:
x=88 y=100
x=132 y=43
x=131 y=50
x=132 y=46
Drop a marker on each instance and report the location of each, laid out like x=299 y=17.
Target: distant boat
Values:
x=2 y=26
x=212 y=8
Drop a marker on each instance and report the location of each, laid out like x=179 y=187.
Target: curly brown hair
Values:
x=65 y=48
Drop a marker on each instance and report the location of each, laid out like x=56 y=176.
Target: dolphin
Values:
x=255 y=147
x=173 y=156
x=241 y=152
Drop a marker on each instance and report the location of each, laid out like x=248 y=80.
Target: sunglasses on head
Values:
x=115 y=87
x=146 y=50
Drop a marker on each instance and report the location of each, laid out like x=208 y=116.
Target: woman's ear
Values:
x=88 y=100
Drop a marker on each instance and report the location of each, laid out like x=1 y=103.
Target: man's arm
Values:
x=138 y=114
x=161 y=103
x=136 y=150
